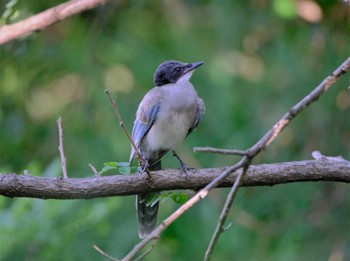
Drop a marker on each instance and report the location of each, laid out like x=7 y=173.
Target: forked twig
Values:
x=60 y=148
x=103 y=253
x=224 y=213
x=147 y=251
x=269 y=137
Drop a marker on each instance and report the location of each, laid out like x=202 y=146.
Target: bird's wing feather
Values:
x=145 y=116
x=200 y=112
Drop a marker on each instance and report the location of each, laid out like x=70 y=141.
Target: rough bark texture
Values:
x=15 y=185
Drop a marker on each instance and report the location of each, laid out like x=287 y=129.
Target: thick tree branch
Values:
x=14 y=185
x=46 y=18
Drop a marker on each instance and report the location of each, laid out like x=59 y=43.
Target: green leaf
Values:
x=124 y=170
x=121 y=168
x=111 y=164
x=177 y=197
x=180 y=198
x=153 y=199
x=108 y=166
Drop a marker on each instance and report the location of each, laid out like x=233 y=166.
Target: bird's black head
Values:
x=172 y=71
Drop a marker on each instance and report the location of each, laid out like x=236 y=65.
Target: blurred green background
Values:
x=261 y=57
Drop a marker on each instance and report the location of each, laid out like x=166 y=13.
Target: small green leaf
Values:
x=123 y=164
x=105 y=169
x=124 y=170
x=121 y=167
x=112 y=164
x=153 y=199
x=180 y=198
x=108 y=166
x=166 y=195
x=135 y=169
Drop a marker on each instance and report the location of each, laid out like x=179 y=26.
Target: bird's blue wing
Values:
x=145 y=117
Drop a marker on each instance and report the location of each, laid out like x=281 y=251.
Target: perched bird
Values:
x=166 y=115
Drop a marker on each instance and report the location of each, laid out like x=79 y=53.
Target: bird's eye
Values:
x=177 y=69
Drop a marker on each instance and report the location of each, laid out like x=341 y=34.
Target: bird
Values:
x=167 y=114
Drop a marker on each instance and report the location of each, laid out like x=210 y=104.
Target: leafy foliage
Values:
x=120 y=167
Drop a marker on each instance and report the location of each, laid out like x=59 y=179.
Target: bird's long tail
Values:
x=147 y=213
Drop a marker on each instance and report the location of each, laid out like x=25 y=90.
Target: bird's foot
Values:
x=184 y=170
x=183 y=167
x=143 y=167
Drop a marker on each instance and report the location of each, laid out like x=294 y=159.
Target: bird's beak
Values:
x=191 y=66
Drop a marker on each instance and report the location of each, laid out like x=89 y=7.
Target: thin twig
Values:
x=318 y=156
x=224 y=213
x=272 y=135
x=94 y=169
x=46 y=18
x=103 y=253
x=251 y=153
x=60 y=148
x=154 y=242
x=220 y=151
x=121 y=123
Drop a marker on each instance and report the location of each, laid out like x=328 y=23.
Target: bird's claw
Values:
x=143 y=167
x=184 y=170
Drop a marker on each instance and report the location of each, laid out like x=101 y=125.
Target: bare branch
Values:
x=147 y=251
x=60 y=148
x=16 y=185
x=220 y=151
x=318 y=156
x=93 y=169
x=224 y=213
x=46 y=18
x=103 y=253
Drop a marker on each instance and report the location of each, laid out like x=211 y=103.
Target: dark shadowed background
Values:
x=261 y=57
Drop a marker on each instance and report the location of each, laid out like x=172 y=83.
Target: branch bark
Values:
x=46 y=18
x=15 y=185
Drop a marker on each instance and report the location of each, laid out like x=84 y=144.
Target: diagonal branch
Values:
x=46 y=18
x=268 y=138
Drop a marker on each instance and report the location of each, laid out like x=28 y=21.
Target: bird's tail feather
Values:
x=147 y=213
